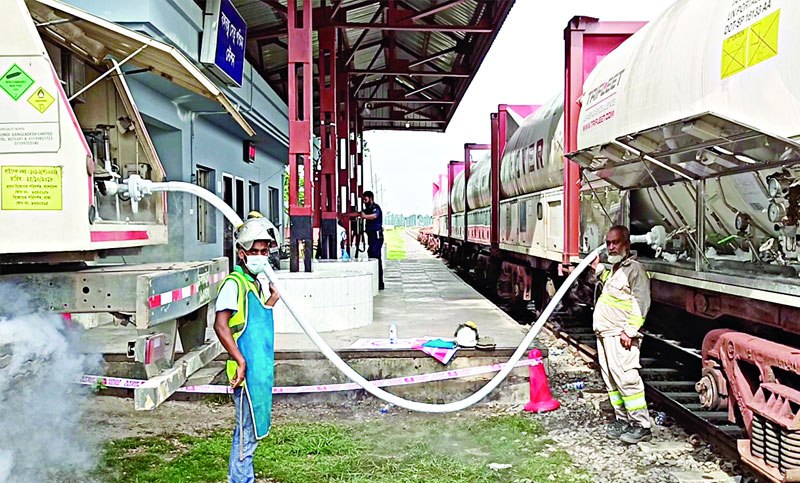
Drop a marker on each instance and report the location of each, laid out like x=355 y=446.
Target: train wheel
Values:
x=713 y=388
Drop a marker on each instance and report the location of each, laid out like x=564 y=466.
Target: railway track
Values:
x=669 y=372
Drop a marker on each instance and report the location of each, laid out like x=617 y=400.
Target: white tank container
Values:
x=457 y=195
x=740 y=60
x=479 y=194
x=534 y=157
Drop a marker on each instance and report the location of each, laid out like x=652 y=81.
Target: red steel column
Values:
x=360 y=159
x=300 y=113
x=343 y=99
x=352 y=167
x=587 y=41
x=327 y=210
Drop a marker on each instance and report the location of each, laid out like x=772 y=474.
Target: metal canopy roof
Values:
x=700 y=147
x=409 y=62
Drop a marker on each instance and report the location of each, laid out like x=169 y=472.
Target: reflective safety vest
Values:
x=625 y=301
x=238 y=321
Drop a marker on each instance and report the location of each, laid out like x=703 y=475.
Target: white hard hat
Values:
x=467 y=334
x=253 y=230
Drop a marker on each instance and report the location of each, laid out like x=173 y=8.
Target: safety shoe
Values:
x=614 y=430
x=636 y=434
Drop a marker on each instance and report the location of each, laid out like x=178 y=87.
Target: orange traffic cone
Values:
x=541 y=399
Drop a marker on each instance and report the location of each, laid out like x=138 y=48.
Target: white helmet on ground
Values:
x=253 y=230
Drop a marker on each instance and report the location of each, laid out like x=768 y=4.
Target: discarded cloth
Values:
x=440 y=354
x=440 y=344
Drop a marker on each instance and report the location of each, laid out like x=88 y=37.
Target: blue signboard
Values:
x=224 y=41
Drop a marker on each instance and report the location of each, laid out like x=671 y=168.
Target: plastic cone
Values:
x=541 y=399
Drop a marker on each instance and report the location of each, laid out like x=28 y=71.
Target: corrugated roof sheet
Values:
x=460 y=52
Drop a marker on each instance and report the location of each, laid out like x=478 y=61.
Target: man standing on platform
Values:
x=618 y=315
x=374 y=215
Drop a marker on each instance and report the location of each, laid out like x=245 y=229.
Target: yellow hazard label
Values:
x=763 y=39
x=31 y=188
x=41 y=100
x=734 y=54
x=751 y=46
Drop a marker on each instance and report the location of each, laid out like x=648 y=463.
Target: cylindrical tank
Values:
x=440 y=199
x=740 y=60
x=457 y=195
x=534 y=157
x=479 y=194
x=737 y=59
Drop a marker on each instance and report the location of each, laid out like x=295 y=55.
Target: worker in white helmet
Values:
x=244 y=326
x=618 y=315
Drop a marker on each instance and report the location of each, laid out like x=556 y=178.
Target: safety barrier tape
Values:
x=123 y=383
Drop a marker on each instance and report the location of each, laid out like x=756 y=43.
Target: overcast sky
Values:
x=524 y=66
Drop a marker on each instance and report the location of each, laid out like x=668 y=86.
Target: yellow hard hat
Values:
x=254 y=214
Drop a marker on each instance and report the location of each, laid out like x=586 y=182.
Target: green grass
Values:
x=396 y=244
x=386 y=450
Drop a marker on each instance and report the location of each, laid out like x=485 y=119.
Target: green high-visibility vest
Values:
x=238 y=321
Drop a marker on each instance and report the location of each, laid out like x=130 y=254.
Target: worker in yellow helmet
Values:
x=245 y=327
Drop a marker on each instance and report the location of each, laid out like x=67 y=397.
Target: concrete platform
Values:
x=424 y=298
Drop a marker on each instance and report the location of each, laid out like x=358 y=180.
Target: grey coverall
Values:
x=622 y=307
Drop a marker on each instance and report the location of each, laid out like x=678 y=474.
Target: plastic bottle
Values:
x=393 y=333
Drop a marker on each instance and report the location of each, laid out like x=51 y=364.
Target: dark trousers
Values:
x=374 y=250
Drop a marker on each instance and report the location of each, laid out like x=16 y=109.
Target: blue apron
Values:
x=257 y=345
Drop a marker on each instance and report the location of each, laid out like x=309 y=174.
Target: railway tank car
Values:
x=689 y=131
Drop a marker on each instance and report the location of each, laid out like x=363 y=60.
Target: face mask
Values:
x=257 y=263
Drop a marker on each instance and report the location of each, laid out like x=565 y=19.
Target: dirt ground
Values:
x=576 y=428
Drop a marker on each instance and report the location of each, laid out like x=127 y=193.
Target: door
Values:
x=227 y=196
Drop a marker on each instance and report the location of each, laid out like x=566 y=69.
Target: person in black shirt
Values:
x=374 y=227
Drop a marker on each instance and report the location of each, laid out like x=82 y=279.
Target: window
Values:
x=274 y=206
x=255 y=196
x=206 y=232
x=239 y=195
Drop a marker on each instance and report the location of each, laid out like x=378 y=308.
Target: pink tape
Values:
x=122 y=383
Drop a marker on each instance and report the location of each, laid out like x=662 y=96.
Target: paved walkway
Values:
x=424 y=298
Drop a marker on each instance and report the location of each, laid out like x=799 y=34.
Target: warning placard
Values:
x=15 y=82
x=764 y=39
x=756 y=43
x=41 y=100
x=31 y=188
x=734 y=54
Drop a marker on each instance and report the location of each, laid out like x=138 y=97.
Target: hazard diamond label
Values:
x=15 y=82
x=41 y=100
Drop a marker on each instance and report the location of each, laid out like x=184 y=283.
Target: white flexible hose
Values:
x=349 y=371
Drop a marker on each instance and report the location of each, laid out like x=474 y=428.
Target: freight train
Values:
x=686 y=129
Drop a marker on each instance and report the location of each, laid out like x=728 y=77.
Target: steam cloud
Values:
x=40 y=405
